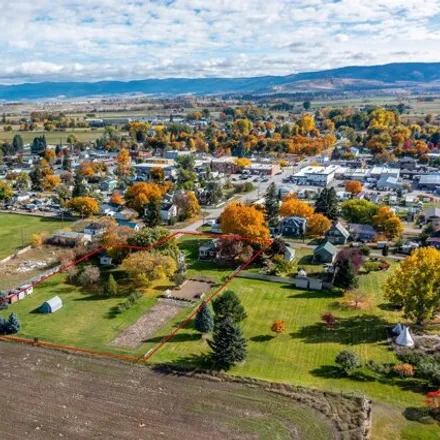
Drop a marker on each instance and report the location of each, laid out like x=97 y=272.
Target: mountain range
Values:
x=391 y=78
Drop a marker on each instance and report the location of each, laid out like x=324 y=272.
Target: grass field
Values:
x=52 y=137
x=16 y=230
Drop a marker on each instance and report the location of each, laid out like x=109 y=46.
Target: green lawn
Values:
x=16 y=230
x=53 y=137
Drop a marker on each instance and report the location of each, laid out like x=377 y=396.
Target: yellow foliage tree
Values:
x=50 y=182
x=294 y=207
x=415 y=285
x=243 y=220
x=123 y=159
x=388 y=223
x=139 y=194
x=242 y=162
x=84 y=206
x=318 y=225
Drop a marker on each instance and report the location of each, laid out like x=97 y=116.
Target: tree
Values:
x=278 y=327
x=353 y=187
x=272 y=206
x=51 y=182
x=89 y=276
x=345 y=276
x=111 y=287
x=17 y=143
x=79 y=186
x=348 y=361
x=318 y=225
x=204 y=322
x=354 y=255
x=228 y=305
x=6 y=192
x=327 y=203
x=123 y=161
x=149 y=266
x=243 y=220
x=152 y=213
x=84 y=206
x=228 y=344
x=242 y=162
x=36 y=176
x=307 y=105
x=22 y=180
x=387 y=222
x=415 y=285
x=359 y=211
x=37 y=240
x=192 y=207
x=385 y=250
x=12 y=325
x=294 y=207
x=355 y=297
x=67 y=162
x=140 y=194
x=116 y=198
x=329 y=319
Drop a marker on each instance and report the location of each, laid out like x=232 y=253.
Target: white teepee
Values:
x=405 y=339
x=397 y=329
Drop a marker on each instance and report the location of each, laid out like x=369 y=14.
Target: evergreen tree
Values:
x=17 y=143
x=345 y=276
x=79 y=186
x=111 y=287
x=271 y=203
x=204 y=322
x=3 y=324
x=39 y=145
x=37 y=179
x=327 y=203
x=385 y=250
x=5 y=304
x=152 y=213
x=67 y=162
x=228 y=344
x=228 y=305
x=12 y=324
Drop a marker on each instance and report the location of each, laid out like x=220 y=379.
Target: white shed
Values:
x=51 y=305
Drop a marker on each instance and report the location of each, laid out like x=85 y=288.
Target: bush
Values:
x=179 y=278
x=384 y=369
x=371 y=266
x=365 y=250
x=348 y=361
x=89 y=276
x=404 y=370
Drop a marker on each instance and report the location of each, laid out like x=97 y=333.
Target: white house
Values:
x=168 y=212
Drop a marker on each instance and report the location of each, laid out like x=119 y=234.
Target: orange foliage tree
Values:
x=50 y=182
x=278 y=326
x=353 y=186
x=123 y=159
x=318 y=225
x=433 y=401
x=116 y=198
x=243 y=220
x=388 y=223
x=138 y=195
x=294 y=207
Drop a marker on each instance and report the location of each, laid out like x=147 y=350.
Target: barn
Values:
x=51 y=305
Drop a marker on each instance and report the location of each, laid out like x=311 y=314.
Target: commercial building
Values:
x=318 y=176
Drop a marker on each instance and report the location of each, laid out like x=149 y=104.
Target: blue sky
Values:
x=92 y=40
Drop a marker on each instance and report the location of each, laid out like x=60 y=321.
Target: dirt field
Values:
x=48 y=394
x=191 y=289
x=147 y=325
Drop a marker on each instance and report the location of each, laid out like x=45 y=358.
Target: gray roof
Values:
x=54 y=303
x=432 y=212
x=430 y=179
x=328 y=247
x=360 y=228
x=340 y=227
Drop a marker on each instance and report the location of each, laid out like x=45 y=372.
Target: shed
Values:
x=51 y=305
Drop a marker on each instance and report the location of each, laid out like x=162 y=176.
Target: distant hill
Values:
x=392 y=77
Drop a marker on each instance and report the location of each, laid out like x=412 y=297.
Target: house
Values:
x=168 y=212
x=324 y=253
x=387 y=183
x=135 y=225
x=108 y=185
x=95 y=229
x=293 y=226
x=337 y=234
x=363 y=233
x=105 y=260
x=51 y=305
x=208 y=250
x=432 y=215
x=69 y=239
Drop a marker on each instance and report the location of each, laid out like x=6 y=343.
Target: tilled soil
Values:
x=49 y=394
x=148 y=324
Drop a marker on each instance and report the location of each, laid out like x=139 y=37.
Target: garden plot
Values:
x=191 y=289
x=147 y=325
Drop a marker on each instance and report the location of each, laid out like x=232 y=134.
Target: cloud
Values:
x=109 y=39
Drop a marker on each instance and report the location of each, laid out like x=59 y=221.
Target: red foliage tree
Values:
x=329 y=319
x=352 y=254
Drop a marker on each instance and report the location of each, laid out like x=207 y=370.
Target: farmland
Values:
x=16 y=230
x=53 y=137
x=90 y=398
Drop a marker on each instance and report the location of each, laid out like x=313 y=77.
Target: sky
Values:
x=91 y=40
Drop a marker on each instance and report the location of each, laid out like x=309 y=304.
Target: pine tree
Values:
x=345 y=276
x=3 y=323
x=385 y=250
x=327 y=203
x=3 y=304
x=204 y=322
x=79 y=186
x=272 y=206
x=67 y=162
x=12 y=324
x=111 y=287
x=17 y=143
x=228 y=305
x=37 y=179
x=152 y=213
x=228 y=344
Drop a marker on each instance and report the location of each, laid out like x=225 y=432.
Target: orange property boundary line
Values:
x=266 y=243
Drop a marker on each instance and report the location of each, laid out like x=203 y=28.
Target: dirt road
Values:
x=47 y=394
